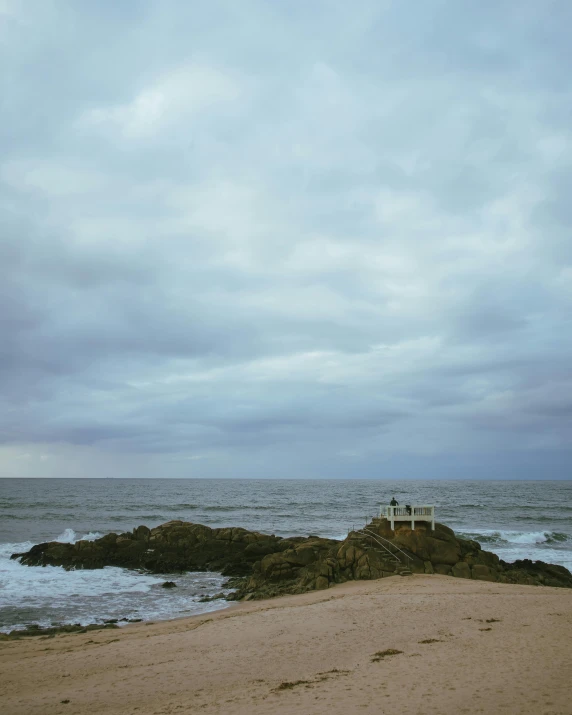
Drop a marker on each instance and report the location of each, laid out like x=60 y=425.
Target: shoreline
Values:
x=256 y=566
x=464 y=646
x=112 y=624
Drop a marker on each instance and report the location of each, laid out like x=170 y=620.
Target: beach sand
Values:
x=466 y=647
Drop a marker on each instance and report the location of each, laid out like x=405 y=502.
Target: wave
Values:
x=6 y=550
x=36 y=504
x=53 y=595
x=167 y=507
x=122 y=518
x=542 y=519
x=69 y=536
x=557 y=537
x=517 y=537
x=240 y=507
x=26 y=516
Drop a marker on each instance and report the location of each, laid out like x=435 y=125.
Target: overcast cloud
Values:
x=286 y=239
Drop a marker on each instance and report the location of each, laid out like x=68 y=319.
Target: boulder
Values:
x=438 y=546
x=483 y=573
x=442 y=569
x=142 y=533
x=461 y=570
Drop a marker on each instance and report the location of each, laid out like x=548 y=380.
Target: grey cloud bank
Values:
x=285 y=239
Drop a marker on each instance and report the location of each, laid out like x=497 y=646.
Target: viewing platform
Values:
x=410 y=513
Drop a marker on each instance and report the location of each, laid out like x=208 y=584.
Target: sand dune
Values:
x=422 y=644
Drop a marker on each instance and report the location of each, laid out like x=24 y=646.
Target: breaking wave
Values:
x=69 y=536
x=503 y=538
x=51 y=595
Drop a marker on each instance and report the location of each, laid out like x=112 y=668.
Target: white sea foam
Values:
x=534 y=537
x=511 y=545
x=516 y=537
x=69 y=536
x=52 y=594
x=30 y=585
x=500 y=536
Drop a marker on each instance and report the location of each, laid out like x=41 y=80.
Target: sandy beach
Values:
x=422 y=644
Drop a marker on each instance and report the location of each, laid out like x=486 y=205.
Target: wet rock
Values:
x=169 y=584
x=263 y=566
x=36 y=630
x=216 y=597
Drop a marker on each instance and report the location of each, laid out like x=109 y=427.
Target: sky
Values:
x=286 y=239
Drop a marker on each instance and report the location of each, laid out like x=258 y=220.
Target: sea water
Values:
x=514 y=519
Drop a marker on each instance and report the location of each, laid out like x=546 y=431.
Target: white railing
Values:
x=412 y=513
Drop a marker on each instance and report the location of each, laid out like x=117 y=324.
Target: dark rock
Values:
x=216 y=597
x=35 y=630
x=169 y=584
x=142 y=533
x=483 y=573
x=263 y=566
x=536 y=572
x=461 y=570
x=442 y=569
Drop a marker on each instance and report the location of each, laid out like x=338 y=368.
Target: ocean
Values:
x=515 y=519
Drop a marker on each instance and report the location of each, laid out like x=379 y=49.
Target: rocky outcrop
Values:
x=176 y=546
x=263 y=566
x=51 y=631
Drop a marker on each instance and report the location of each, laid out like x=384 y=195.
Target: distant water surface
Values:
x=514 y=519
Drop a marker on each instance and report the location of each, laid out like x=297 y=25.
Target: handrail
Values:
x=394 y=556
x=408 y=509
x=379 y=539
x=377 y=536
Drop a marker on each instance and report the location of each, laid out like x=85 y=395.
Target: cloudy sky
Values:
x=286 y=239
